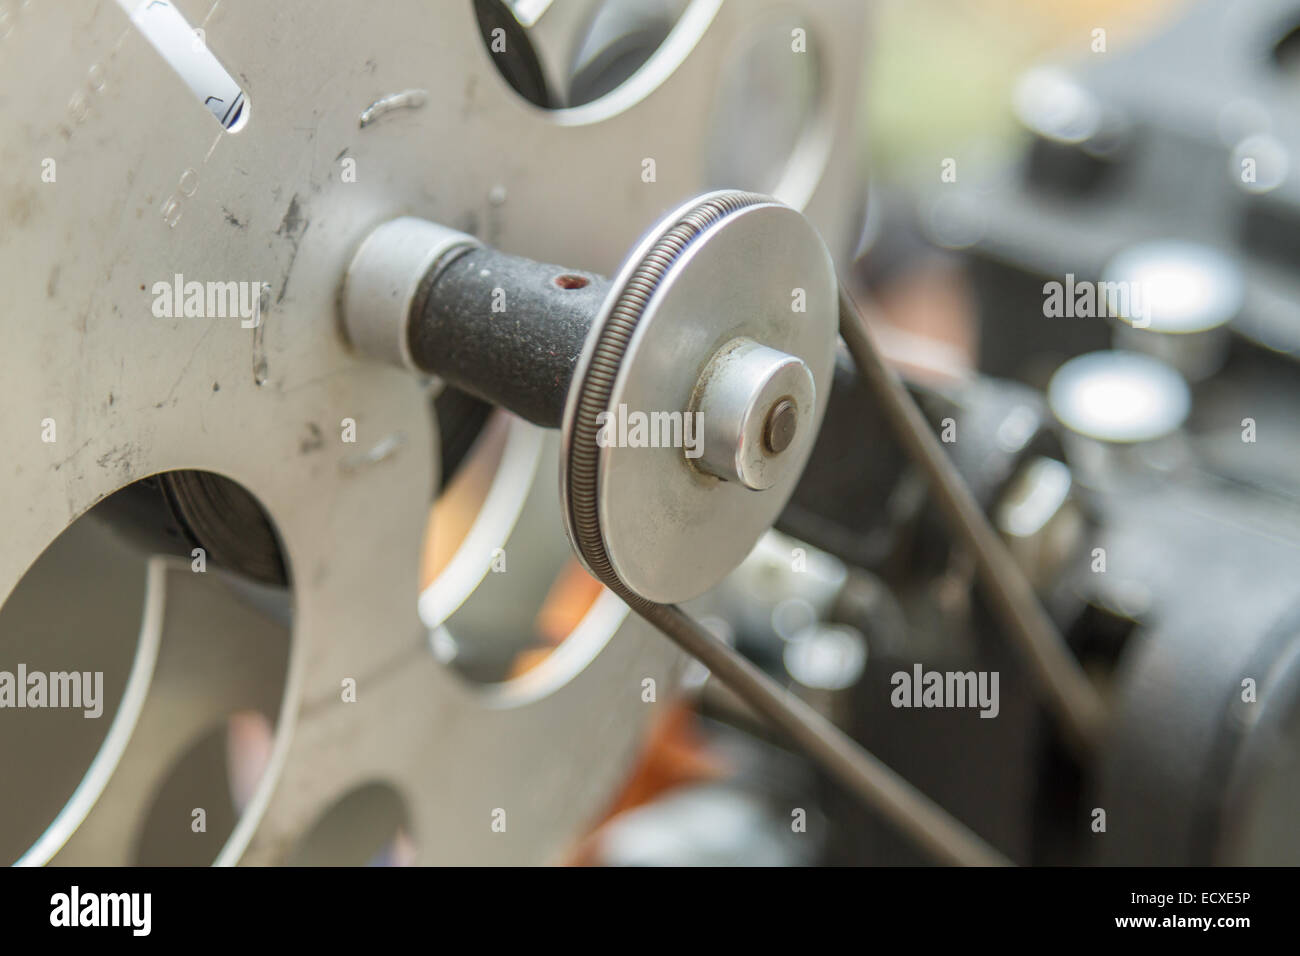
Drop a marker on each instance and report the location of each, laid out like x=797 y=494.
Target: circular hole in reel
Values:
x=576 y=61
x=761 y=135
x=501 y=589
x=121 y=648
x=367 y=826
x=197 y=806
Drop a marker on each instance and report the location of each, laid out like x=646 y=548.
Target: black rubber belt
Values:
x=838 y=754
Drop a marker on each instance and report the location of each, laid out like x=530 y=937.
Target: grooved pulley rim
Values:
x=599 y=369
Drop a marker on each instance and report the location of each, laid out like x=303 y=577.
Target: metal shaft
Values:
x=1064 y=686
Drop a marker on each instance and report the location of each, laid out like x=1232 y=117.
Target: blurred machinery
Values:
x=1122 y=460
x=1140 y=461
x=392 y=655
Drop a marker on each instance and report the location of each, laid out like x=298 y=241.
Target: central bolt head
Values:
x=779 y=431
x=750 y=398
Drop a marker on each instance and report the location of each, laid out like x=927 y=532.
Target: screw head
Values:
x=782 y=422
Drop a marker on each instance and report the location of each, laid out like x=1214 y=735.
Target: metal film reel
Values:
x=349 y=114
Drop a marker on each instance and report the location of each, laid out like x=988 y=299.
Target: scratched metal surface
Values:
x=148 y=186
